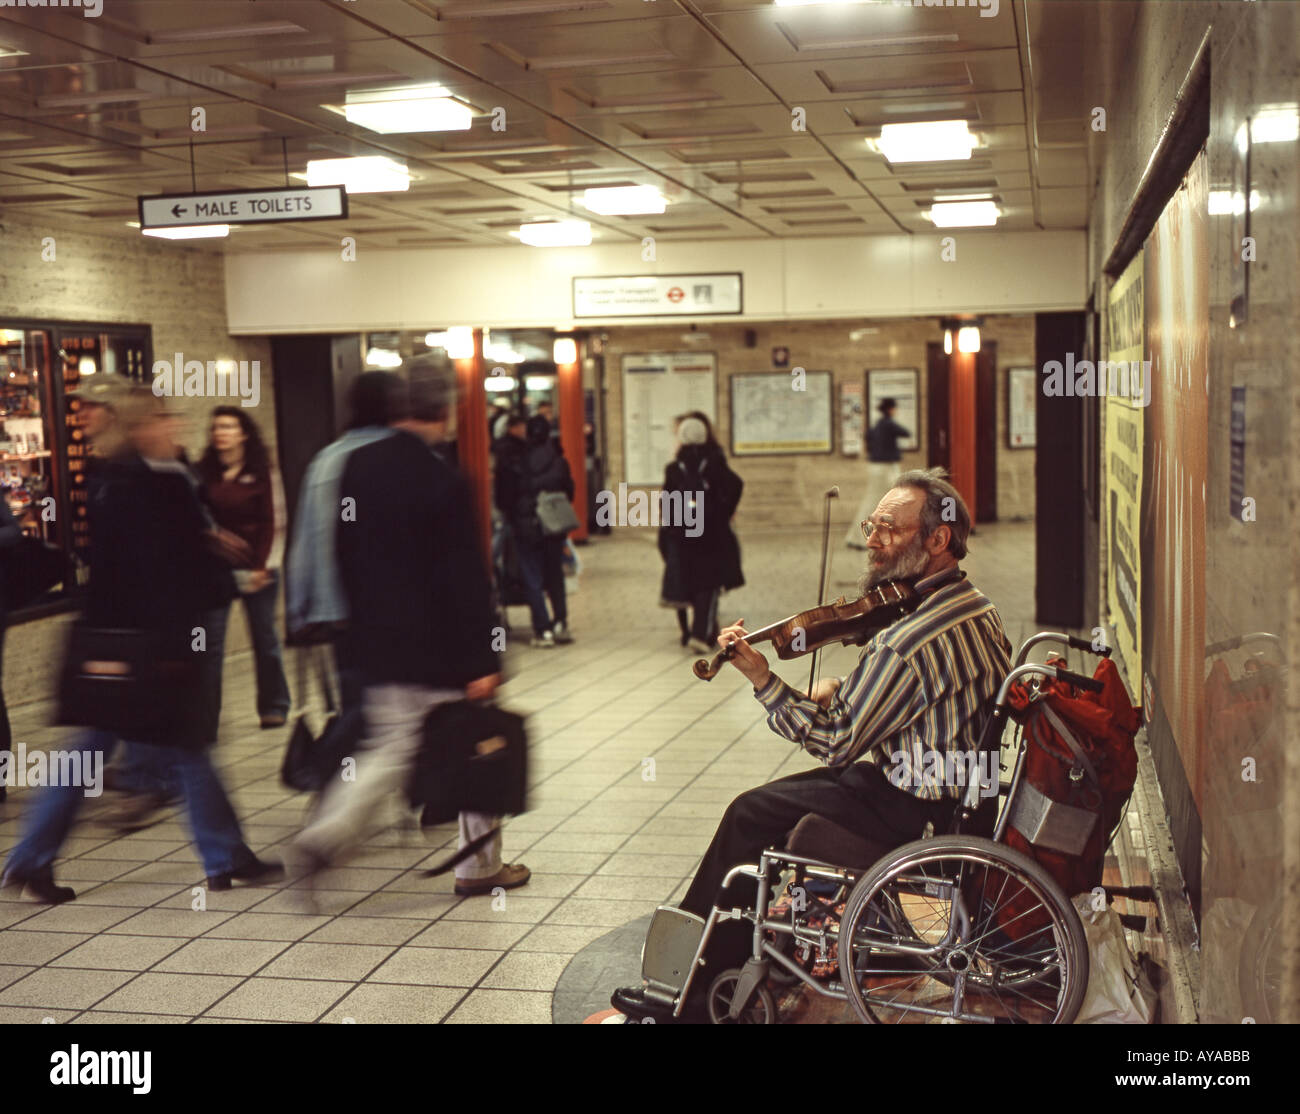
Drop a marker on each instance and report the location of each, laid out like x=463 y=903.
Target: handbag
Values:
x=555 y=513
x=28 y=569
x=121 y=681
x=311 y=760
x=473 y=758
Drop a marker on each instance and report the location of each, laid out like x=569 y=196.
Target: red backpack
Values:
x=1079 y=768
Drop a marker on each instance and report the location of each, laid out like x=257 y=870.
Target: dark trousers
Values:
x=704 y=626
x=858 y=797
x=541 y=566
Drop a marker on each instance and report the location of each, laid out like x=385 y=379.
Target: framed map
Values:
x=781 y=413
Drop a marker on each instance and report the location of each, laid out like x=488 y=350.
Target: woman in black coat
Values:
x=701 y=554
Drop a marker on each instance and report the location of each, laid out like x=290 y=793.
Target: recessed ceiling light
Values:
x=1275 y=124
x=555 y=234
x=931 y=141
x=417 y=108
x=620 y=201
x=190 y=232
x=964 y=214
x=369 y=174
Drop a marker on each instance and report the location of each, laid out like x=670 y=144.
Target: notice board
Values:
x=658 y=387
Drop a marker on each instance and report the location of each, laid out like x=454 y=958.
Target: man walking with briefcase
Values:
x=420 y=628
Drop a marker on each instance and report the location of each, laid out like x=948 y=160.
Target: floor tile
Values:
x=389 y=1004
x=65 y=989
x=118 y=953
x=436 y=966
x=213 y=956
x=503 y=1007
x=527 y=971
x=279 y=1000
x=345 y=962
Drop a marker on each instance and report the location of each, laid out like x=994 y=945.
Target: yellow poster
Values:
x=1124 y=412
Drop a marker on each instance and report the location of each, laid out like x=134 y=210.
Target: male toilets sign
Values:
x=244 y=207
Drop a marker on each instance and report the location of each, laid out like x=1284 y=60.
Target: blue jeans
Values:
x=214 y=824
x=272 y=688
x=541 y=564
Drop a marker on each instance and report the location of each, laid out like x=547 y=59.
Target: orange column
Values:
x=572 y=440
x=472 y=440
x=961 y=425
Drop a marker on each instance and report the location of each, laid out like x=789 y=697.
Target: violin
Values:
x=806 y=632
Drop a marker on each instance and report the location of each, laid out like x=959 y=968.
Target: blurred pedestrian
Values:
x=150 y=562
x=700 y=551
x=420 y=627
x=239 y=489
x=528 y=463
x=883 y=456
x=315 y=607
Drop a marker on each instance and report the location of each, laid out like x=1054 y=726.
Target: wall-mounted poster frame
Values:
x=657 y=388
x=1022 y=393
x=852 y=429
x=782 y=413
x=900 y=384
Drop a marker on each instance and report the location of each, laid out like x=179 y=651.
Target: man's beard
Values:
x=908 y=562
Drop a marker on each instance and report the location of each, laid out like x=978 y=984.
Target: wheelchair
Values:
x=951 y=929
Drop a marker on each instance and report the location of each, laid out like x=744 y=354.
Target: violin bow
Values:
x=833 y=493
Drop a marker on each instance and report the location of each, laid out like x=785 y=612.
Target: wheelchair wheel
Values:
x=761 y=1009
x=961 y=929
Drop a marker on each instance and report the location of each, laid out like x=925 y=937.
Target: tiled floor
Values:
x=633 y=759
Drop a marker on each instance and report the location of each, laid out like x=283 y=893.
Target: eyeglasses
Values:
x=886 y=529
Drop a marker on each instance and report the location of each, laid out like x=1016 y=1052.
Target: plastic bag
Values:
x=1119 y=992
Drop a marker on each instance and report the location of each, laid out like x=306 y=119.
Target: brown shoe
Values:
x=509 y=877
x=273 y=720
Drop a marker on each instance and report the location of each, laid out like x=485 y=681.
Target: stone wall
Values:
x=789 y=489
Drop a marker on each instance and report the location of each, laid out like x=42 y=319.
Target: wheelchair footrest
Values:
x=670 y=947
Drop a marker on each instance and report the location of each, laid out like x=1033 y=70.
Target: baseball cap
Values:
x=104 y=389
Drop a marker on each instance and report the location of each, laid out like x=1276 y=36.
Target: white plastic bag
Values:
x=1119 y=992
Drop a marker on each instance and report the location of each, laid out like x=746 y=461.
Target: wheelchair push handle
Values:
x=1087 y=647
x=1078 y=680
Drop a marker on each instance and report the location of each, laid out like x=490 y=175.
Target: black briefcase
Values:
x=311 y=760
x=474 y=758
x=122 y=681
x=29 y=569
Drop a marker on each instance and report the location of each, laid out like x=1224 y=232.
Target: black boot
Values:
x=41 y=886
x=255 y=871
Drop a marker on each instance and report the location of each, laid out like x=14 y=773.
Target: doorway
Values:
x=962 y=403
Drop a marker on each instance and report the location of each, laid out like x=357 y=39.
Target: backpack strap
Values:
x=1073 y=744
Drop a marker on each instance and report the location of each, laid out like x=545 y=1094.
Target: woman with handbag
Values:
x=238 y=488
x=701 y=554
x=134 y=669
x=529 y=467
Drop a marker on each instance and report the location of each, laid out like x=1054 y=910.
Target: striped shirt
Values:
x=922 y=687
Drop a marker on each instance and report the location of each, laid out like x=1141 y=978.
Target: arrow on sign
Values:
x=177 y=210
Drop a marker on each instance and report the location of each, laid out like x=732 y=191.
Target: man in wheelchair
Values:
x=920 y=690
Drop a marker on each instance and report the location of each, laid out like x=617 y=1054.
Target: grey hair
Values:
x=943 y=506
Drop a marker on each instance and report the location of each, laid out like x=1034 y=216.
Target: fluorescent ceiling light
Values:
x=564 y=350
x=501 y=354
x=501 y=383
x=1229 y=202
x=383 y=357
x=932 y=141
x=370 y=174
x=618 y=201
x=555 y=234
x=1275 y=125
x=964 y=214
x=190 y=232
x=417 y=108
x=539 y=383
